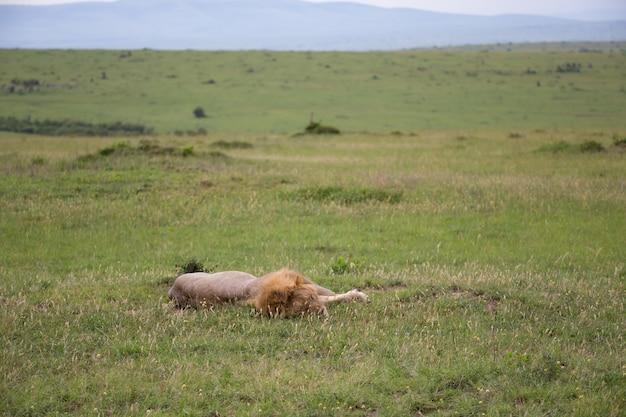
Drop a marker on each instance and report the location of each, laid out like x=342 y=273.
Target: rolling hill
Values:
x=275 y=25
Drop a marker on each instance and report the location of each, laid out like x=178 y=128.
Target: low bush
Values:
x=619 y=141
x=193 y=265
x=38 y=160
x=591 y=146
x=145 y=147
x=317 y=128
x=71 y=127
x=121 y=147
x=344 y=265
x=188 y=151
x=28 y=83
x=199 y=112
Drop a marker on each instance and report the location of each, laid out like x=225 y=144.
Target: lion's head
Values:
x=286 y=293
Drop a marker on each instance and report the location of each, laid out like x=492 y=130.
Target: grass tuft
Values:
x=194 y=265
x=236 y=144
x=347 y=196
x=556 y=147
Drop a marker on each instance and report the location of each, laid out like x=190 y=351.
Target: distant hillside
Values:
x=275 y=25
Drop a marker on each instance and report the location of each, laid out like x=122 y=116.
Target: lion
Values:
x=280 y=294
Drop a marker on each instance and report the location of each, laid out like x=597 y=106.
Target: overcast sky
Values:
x=493 y=7
x=483 y=7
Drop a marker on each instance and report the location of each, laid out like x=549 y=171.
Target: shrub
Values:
x=617 y=141
x=187 y=151
x=317 y=128
x=120 y=147
x=591 y=146
x=28 y=84
x=199 y=112
x=192 y=265
x=38 y=160
x=342 y=265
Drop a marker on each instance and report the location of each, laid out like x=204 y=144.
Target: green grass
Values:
x=408 y=91
x=497 y=278
x=494 y=258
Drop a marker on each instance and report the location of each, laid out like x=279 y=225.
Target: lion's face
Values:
x=285 y=294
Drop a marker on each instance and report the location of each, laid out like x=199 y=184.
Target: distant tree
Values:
x=199 y=112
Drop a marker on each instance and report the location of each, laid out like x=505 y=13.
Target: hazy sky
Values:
x=492 y=7
x=484 y=7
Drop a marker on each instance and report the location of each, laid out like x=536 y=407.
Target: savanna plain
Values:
x=477 y=196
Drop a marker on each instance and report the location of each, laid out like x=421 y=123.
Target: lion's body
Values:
x=282 y=293
x=199 y=289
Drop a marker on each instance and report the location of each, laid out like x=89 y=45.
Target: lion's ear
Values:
x=299 y=280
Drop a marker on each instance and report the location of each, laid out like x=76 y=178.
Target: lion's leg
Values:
x=320 y=290
x=353 y=295
x=323 y=291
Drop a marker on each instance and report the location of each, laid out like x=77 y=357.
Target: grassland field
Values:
x=276 y=92
x=478 y=197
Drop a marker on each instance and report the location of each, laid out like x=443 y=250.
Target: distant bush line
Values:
x=71 y=127
x=145 y=147
x=590 y=146
x=569 y=67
